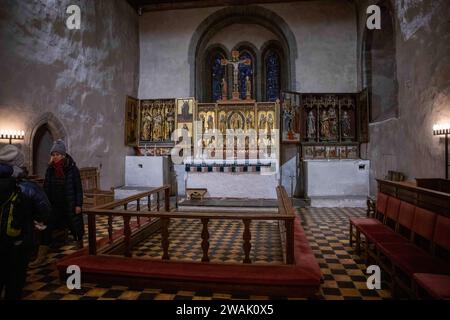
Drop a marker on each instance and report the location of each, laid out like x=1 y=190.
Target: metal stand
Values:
x=446 y=156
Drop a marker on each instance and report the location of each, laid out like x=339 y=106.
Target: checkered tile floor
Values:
x=225 y=242
x=326 y=229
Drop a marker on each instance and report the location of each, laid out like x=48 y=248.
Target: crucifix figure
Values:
x=235 y=62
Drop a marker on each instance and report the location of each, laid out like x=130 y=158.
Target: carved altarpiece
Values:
x=261 y=118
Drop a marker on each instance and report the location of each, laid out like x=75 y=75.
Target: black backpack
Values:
x=11 y=209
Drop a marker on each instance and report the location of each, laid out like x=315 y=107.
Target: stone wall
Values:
x=76 y=79
x=325 y=37
x=406 y=143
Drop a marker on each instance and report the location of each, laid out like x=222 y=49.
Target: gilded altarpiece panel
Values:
x=255 y=119
x=157 y=121
x=290 y=116
x=131 y=121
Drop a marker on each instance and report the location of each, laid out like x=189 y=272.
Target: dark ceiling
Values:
x=157 y=5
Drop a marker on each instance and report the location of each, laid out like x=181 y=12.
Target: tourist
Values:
x=22 y=205
x=62 y=184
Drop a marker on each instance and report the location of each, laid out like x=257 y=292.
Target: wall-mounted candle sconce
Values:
x=12 y=135
x=439 y=130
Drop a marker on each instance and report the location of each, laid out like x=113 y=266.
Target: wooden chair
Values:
x=92 y=195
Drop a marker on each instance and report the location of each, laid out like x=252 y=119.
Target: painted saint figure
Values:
x=248 y=89
x=333 y=123
x=157 y=125
x=236 y=121
x=269 y=124
x=224 y=89
x=324 y=125
x=346 y=125
x=222 y=124
x=171 y=122
x=262 y=122
x=311 y=125
x=210 y=122
x=288 y=115
x=147 y=125
x=185 y=111
x=249 y=122
x=202 y=119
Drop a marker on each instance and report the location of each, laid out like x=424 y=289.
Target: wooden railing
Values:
x=132 y=207
x=435 y=201
x=285 y=218
x=286 y=209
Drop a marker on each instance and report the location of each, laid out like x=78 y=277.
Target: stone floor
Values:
x=326 y=228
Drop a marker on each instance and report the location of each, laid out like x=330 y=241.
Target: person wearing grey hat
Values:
x=59 y=147
x=62 y=184
x=23 y=205
x=11 y=155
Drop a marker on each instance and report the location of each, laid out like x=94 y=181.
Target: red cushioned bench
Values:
x=359 y=222
x=301 y=279
x=437 y=286
x=400 y=251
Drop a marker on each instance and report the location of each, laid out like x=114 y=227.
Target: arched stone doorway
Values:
x=42 y=143
x=39 y=140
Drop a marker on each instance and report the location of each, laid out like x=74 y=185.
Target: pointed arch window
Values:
x=272 y=68
x=217 y=74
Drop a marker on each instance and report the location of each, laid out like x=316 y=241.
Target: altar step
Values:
x=233 y=205
x=339 y=202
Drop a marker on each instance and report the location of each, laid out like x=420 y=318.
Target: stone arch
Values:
x=55 y=127
x=239 y=14
x=379 y=66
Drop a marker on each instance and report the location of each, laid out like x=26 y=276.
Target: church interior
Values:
x=221 y=150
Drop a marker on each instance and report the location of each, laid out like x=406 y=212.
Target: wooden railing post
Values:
x=157 y=201
x=110 y=228
x=167 y=199
x=127 y=233
x=289 y=241
x=92 y=233
x=138 y=208
x=125 y=206
x=205 y=239
x=165 y=237
x=247 y=236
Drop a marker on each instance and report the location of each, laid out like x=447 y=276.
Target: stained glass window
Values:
x=217 y=74
x=272 y=66
x=244 y=71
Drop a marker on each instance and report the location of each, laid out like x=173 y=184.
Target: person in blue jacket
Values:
x=23 y=207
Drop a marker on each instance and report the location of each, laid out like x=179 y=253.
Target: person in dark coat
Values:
x=62 y=184
x=23 y=206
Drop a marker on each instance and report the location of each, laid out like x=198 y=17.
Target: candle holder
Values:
x=439 y=130
x=12 y=135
